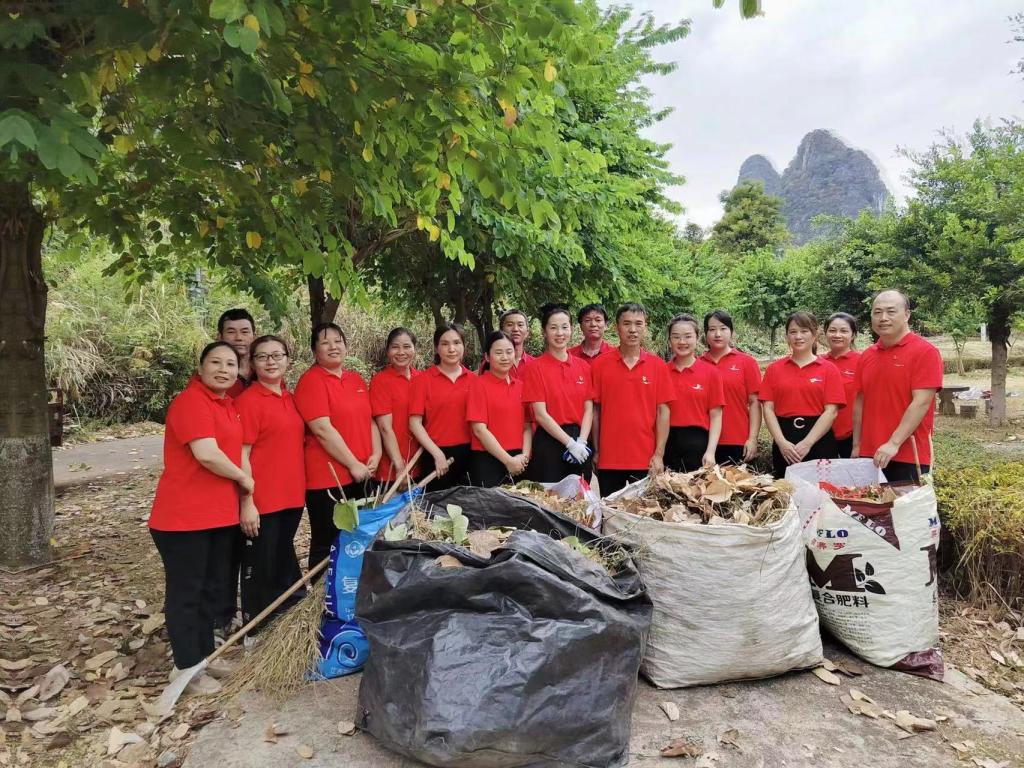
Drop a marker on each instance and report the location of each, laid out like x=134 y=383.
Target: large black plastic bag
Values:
x=529 y=658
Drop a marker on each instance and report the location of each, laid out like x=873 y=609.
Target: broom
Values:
x=171 y=694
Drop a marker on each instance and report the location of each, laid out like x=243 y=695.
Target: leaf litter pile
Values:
x=576 y=509
x=711 y=496
x=454 y=529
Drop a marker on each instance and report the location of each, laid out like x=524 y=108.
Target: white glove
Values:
x=578 y=450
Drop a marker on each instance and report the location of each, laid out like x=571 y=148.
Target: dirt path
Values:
x=106 y=460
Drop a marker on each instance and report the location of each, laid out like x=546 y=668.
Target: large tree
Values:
x=751 y=220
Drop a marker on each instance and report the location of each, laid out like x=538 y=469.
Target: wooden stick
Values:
x=917 y=459
x=402 y=475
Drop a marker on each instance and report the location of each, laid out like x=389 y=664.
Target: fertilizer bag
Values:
x=873 y=566
x=527 y=658
x=343 y=647
x=731 y=601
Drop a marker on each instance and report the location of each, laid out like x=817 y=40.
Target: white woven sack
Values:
x=731 y=602
x=873 y=566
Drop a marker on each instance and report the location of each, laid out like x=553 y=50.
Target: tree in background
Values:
x=751 y=220
x=765 y=291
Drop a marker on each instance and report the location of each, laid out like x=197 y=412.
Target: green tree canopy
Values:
x=751 y=221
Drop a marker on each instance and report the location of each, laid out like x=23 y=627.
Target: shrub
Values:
x=982 y=509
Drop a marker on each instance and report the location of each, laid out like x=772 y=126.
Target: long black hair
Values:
x=493 y=338
x=549 y=310
x=721 y=316
x=212 y=346
x=440 y=331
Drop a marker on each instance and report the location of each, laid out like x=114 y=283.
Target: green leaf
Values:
x=233 y=35
x=396 y=533
x=346 y=515
x=460 y=524
x=248 y=40
x=69 y=162
x=229 y=10
x=17 y=128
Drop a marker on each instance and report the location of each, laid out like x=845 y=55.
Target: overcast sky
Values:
x=881 y=74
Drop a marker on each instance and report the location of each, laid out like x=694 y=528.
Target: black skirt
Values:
x=458 y=472
x=685 y=448
x=729 y=454
x=795 y=429
x=546 y=462
x=486 y=471
x=844 y=447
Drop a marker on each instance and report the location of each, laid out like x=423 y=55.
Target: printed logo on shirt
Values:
x=815 y=380
x=896 y=362
x=735 y=368
x=697 y=386
x=849 y=373
x=643 y=380
x=579 y=380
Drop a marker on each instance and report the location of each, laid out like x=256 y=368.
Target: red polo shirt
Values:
x=235 y=390
x=517 y=370
x=886 y=378
x=577 y=351
x=189 y=497
x=389 y=394
x=847 y=364
x=698 y=389
x=442 y=404
x=345 y=400
x=741 y=378
x=271 y=424
x=629 y=399
x=563 y=387
x=498 y=404
x=796 y=391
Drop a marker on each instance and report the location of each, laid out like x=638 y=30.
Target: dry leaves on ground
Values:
x=681 y=748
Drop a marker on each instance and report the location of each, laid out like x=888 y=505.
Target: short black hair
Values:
x=399 y=331
x=440 y=331
x=630 y=306
x=212 y=346
x=320 y=329
x=721 y=316
x=847 y=318
x=683 y=317
x=234 y=314
x=266 y=339
x=508 y=313
x=587 y=309
x=550 y=310
x=492 y=338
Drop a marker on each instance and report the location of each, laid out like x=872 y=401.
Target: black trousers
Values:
x=904 y=472
x=195 y=569
x=228 y=603
x=685 y=448
x=795 y=429
x=612 y=480
x=729 y=454
x=458 y=472
x=546 y=462
x=844 y=447
x=269 y=564
x=320 y=508
x=486 y=471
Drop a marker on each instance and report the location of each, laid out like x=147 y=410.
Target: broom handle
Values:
x=917 y=459
x=315 y=570
x=402 y=475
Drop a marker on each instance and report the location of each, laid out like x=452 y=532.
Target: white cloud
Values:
x=880 y=74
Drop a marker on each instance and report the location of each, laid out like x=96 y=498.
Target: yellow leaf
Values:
x=390 y=102
x=253 y=239
x=367 y=153
x=300 y=186
x=251 y=22
x=221 y=221
x=435 y=232
x=472 y=153
x=421 y=222
x=208 y=89
x=358 y=128
x=305 y=68
x=307 y=86
x=123 y=144
x=550 y=73
x=204 y=228
x=301 y=13
x=410 y=17
x=510 y=117
x=444 y=181
x=325 y=176
x=154 y=53
x=503 y=104
x=352 y=85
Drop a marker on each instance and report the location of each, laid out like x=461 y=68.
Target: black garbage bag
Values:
x=528 y=658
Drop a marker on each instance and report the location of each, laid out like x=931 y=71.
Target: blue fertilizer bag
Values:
x=343 y=646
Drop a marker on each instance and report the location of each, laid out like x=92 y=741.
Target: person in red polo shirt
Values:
x=195 y=510
x=495 y=412
x=437 y=409
x=896 y=384
x=741 y=379
x=560 y=390
x=633 y=392
x=516 y=325
x=695 y=421
x=340 y=434
x=801 y=394
x=841 y=334
x=593 y=320
x=389 y=397
x=273 y=434
x=237 y=328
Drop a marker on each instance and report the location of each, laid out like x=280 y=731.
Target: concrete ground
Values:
x=105 y=460
x=795 y=720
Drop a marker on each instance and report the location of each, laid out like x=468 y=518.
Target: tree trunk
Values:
x=323 y=308
x=26 y=466
x=999 y=334
x=771 y=344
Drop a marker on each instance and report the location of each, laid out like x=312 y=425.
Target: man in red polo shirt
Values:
x=632 y=390
x=593 y=320
x=896 y=382
x=237 y=328
x=516 y=325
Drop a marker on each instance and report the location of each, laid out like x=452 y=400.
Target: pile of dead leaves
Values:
x=710 y=496
x=578 y=509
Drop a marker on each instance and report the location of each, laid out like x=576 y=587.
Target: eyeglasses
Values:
x=277 y=357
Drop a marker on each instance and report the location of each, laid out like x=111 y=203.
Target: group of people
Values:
x=243 y=455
